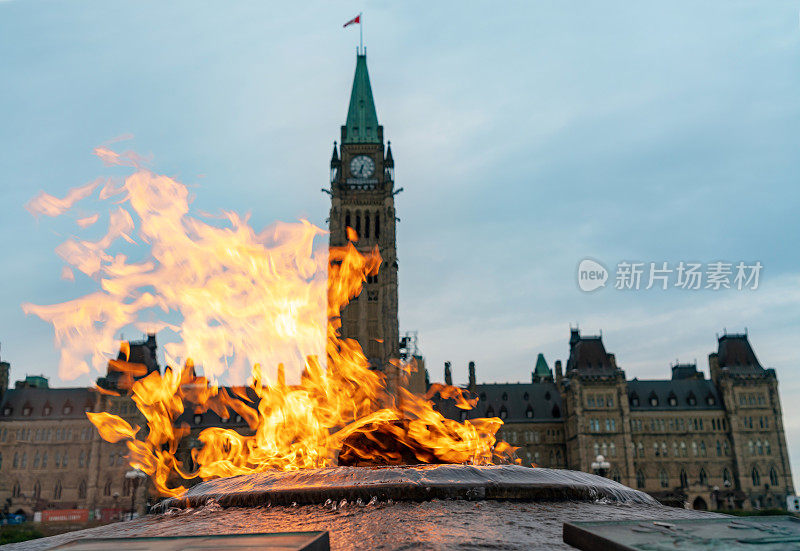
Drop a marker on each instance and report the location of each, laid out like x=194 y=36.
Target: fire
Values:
x=238 y=302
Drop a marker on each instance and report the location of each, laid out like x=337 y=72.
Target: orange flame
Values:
x=240 y=301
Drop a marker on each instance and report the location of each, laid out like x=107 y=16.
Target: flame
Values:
x=241 y=302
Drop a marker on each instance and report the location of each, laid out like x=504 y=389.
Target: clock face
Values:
x=362 y=166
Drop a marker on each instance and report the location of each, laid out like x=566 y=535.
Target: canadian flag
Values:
x=353 y=21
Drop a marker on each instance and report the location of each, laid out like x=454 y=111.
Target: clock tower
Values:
x=362 y=198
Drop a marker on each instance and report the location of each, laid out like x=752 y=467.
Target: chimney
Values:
x=472 y=382
x=558 y=370
x=448 y=375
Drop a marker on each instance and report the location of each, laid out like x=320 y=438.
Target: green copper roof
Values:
x=541 y=366
x=362 y=120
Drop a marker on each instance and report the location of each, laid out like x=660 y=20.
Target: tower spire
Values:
x=362 y=119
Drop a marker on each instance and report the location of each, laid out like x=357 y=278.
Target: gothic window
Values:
x=702 y=479
x=44 y=460
x=641 y=449
x=760 y=447
x=503 y=412
x=505 y=397
x=694 y=448
x=756 y=476
x=546 y=395
x=82 y=490
x=639 y=479
x=719 y=449
x=684 y=479
x=377 y=224
x=526 y=397
x=702 y=449
x=358 y=224
x=653 y=399
x=347 y=221
x=683 y=449
x=107 y=488
x=726 y=477
x=773 y=477
x=692 y=400
x=490 y=411
x=751 y=447
x=16 y=491
x=198 y=418
x=82 y=459
x=725 y=448
x=64 y=459
x=612 y=450
x=767 y=448
x=15 y=463
x=663 y=449
x=710 y=400
x=673 y=400
x=366 y=225
x=615 y=475
x=663 y=478
x=529 y=412
x=552 y=459
x=596 y=449
x=675 y=451
x=37 y=490
x=57 y=490
x=483 y=396
x=635 y=400
x=36 y=460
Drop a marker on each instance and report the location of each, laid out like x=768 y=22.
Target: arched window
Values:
x=377 y=224
x=82 y=490
x=107 y=488
x=612 y=450
x=767 y=449
x=596 y=449
x=641 y=449
x=347 y=223
x=675 y=451
x=503 y=412
x=366 y=225
x=358 y=224
x=490 y=411
x=719 y=449
x=760 y=447
x=64 y=459
x=37 y=490
x=24 y=462
x=82 y=459
x=702 y=449
x=505 y=396
x=57 y=490
x=15 y=464
x=694 y=448
x=663 y=478
x=552 y=459
x=773 y=477
x=726 y=476
x=756 y=476
x=605 y=449
x=529 y=412
x=684 y=479
x=16 y=491
x=639 y=479
x=36 y=460
x=725 y=448
x=751 y=447
x=702 y=478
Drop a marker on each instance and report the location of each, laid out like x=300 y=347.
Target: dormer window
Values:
x=490 y=411
x=7 y=411
x=238 y=418
x=505 y=396
x=547 y=395
x=526 y=397
x=483 y=396
x=67 y=409
x=692 y=400
x=26 y=411
x=503 y=412
x=710 y=400
x=47 y=410
x=653 y=400
x=673 y=401
x=198 y=418
x=635 y=400
x=529 y=412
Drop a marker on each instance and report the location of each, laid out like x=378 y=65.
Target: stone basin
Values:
x=426 y=507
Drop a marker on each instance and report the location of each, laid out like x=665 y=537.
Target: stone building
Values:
x=687 y=440
x=51 y=456
x=362 y=199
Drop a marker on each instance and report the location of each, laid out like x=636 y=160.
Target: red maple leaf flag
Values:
x=353 y=21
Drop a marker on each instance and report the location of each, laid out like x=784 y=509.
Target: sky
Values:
x=526 y=139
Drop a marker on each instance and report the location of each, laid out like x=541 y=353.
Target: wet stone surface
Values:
x=436 y=524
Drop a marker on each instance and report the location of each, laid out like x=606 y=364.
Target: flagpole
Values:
x=361 y=32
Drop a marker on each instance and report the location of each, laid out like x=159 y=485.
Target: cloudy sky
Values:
x=527 y=138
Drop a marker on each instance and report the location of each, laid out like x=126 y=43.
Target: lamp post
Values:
x=600 y=466
x=135 y=476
